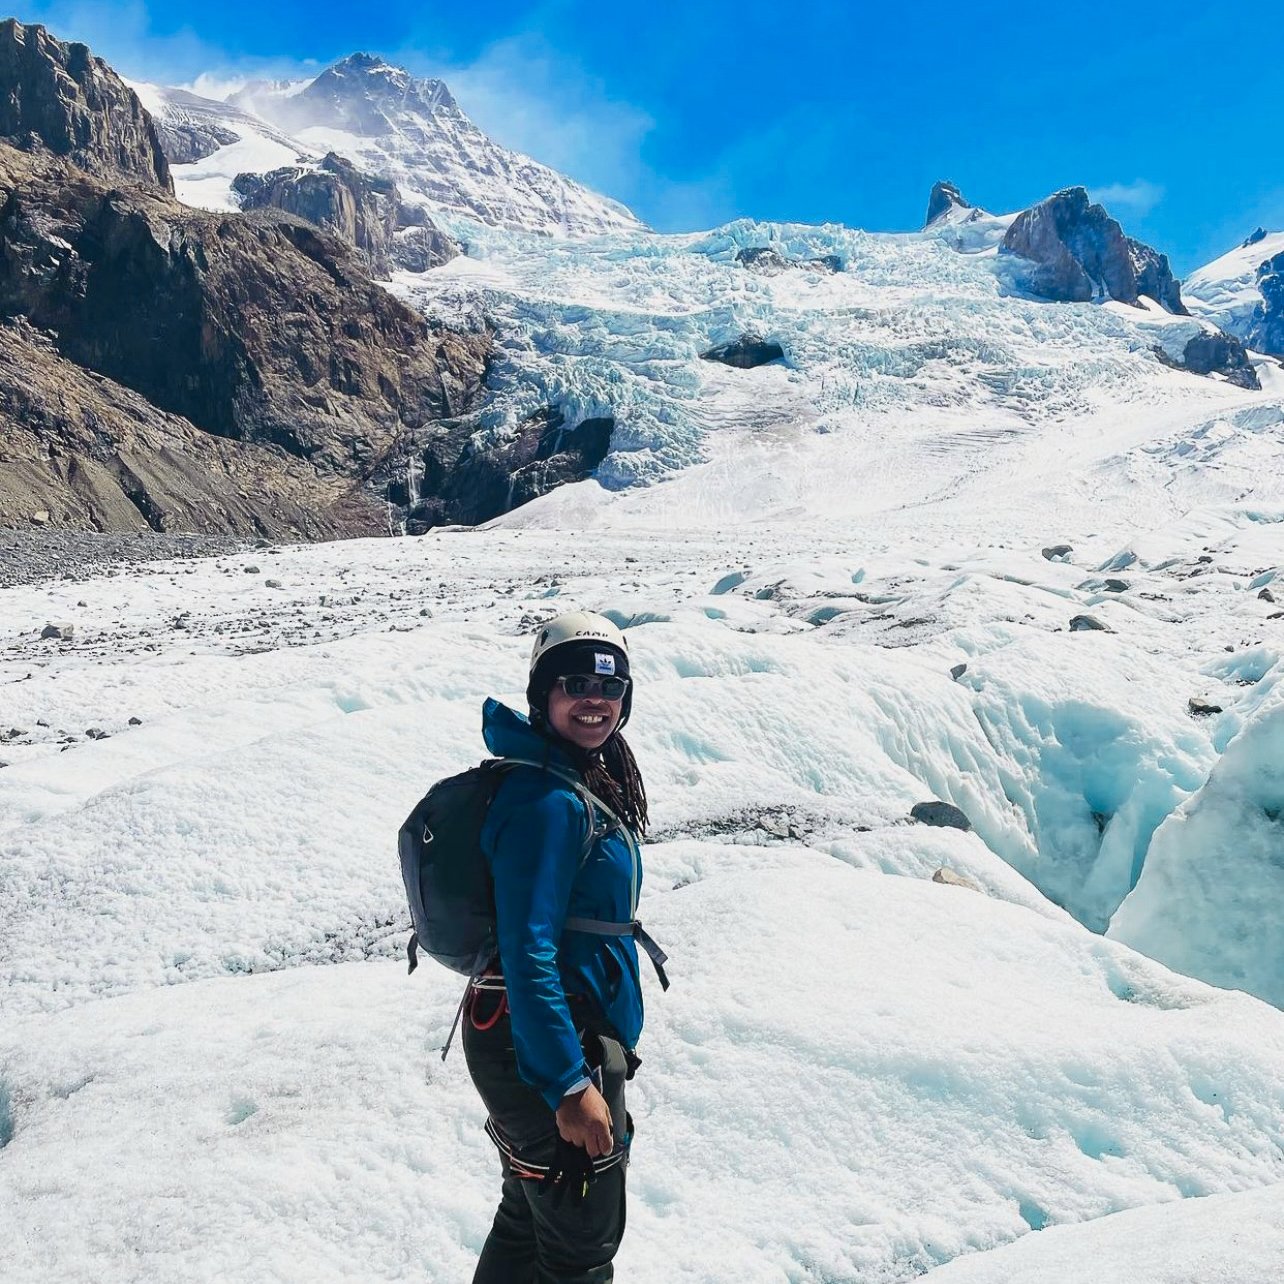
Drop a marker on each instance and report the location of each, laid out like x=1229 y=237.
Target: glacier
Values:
x=854 y=581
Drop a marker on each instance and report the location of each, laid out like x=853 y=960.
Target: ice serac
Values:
x=1210 y=900
x=61 y=99
x=1076 y=253
x=363 y=209
x=412 y=130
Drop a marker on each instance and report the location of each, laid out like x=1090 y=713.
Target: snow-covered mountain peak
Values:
x=1243 y=291
x=412 y=130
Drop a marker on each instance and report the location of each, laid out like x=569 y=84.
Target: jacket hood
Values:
x=509 y=734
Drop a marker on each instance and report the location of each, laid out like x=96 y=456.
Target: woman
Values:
x=550 y=1035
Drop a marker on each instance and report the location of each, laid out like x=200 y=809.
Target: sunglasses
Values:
x=579 y=684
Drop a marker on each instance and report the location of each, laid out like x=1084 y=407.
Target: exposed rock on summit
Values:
x=1075 y=252
x=362 y=209
x=58 y=98
x=946 y=201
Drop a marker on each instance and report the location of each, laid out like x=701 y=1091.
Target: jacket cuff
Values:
x=555 y=1092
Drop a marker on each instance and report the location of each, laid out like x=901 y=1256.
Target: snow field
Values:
x=925 y=1071
x=1224 y=1239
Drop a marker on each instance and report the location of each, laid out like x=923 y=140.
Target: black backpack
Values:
x=448 y=886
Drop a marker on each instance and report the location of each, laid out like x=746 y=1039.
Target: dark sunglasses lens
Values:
x=576 y=684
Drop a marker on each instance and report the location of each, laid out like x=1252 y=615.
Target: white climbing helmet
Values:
x=577 y=626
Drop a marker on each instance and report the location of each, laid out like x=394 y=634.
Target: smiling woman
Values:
x=553 y=1022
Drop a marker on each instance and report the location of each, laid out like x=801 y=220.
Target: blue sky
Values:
x=697 y=113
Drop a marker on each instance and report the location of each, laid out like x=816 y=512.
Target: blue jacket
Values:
x=532 y=839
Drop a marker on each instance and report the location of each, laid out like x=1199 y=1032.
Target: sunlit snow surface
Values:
x=212 y=1064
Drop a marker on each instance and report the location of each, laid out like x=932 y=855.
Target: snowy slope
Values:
x=412 y=130
x=1227 y=290
x=256 y=147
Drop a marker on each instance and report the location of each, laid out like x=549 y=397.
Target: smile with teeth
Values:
x=590 y=719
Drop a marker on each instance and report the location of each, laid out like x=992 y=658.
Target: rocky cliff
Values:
x=82 y=452
x=258 y=328
x=58 y=98
x=363 y=209
x=1074 y=252
x=188 y=370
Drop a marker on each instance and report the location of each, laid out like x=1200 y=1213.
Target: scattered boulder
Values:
x=1077 y=253
x=940 y=814
x=1057 y=552
x=1088 y=624
x=63 y=632
x=1266 y=596
x=40 y=517
x=1116 y=586
x=951 y=879
x=957 y=671
x=1201 y=708
x=135 y=722
x=97 y=733
x=746 y=352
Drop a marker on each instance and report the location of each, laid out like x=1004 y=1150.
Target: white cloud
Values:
x=1137 y=198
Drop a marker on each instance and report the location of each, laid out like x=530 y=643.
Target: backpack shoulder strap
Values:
x=586 y=796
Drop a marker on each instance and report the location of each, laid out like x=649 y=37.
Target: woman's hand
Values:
x=584 y=1120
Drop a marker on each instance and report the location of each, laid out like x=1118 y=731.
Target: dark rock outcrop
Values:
x=944 y=198
x=81 y=452
x=1266 y=326
x=746 y=352
x=363 y=209
x=257 y=328
x=1088 y=624
x=1220 y=353
x=458 y=475
x=762 y=258
x=1154 y=277
x=185 y=141
x=1216 y=352
x=1077 y=253
x=59 y=98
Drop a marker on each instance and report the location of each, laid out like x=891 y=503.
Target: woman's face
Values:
x=586 y=721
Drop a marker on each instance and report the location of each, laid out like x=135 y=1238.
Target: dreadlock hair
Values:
x=611 y=773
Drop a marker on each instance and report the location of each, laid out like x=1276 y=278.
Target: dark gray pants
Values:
x=531 y=1242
